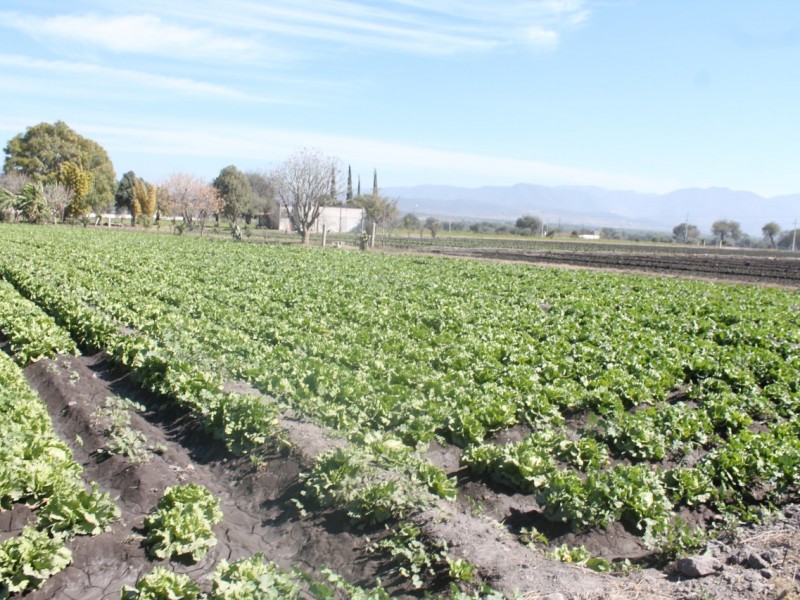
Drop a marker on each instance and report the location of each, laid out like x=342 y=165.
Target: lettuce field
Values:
x=660 y=405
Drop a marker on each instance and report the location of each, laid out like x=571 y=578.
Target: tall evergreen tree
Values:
x=359 y=185
x=375 y=182
x=123 y=197
x=349 y=184
x=333 y=192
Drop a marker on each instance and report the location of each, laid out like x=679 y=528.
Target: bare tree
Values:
x=191 y=198
x=58 y=197
x=303 y=187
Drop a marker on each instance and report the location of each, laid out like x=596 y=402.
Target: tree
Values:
x=770 y=230
x=375 y=182
x=723 y=228
x=58 y=197
x=433 y=225
x=41 y=150
x=11 y=185
x=378 y=210
x=263 y=205
x=123 y=197
x=191 y=198
x=685 y=232
x=411 y=222
x=32 y=204
x=333 y=190
x=234 y=188
x=790 y=240
x=529 y=225
x=145 y=200
x=79 y=182
x=349 y=197
x=302 y=185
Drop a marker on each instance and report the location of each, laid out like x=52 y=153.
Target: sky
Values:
x=645 y=95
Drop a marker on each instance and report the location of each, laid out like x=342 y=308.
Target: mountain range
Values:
x=595 y=207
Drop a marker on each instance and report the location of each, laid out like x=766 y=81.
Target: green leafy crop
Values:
x=161 y=584
x=181 y=523
x=29 y=560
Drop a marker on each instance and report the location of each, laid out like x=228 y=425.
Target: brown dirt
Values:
x=255 y=499
x=260 y=517
x=781 y=271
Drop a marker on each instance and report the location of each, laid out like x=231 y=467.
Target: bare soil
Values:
x=259 y=515
x=780 y=269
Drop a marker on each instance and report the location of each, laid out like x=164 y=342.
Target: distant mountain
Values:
x=598 y=207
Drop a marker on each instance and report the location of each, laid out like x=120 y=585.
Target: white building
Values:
x=337 y=219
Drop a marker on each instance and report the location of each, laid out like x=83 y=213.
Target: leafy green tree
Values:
x=264 y=206
x=529 y=225
x=123 y=197
x=685 y=232
x=378 y=210
x=770 y=230
x=32 y=203
x=234 y=189
x=433 y=225
x=410 y=221
x=43 y=148
x=723 y=229
x=790 y=240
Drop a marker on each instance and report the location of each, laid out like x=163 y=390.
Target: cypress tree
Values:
x=349 y=184
x=375 y=182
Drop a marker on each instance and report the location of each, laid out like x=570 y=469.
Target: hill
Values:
x=598 y=207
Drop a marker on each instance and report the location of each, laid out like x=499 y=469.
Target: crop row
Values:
x=643 y=370
x=38 y=469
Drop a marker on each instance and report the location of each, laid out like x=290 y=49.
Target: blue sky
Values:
x=649 y=95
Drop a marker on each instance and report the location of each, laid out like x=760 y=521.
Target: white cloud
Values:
x=411 y=26
x=539 y=36
x=138 y=34
x=129 y=76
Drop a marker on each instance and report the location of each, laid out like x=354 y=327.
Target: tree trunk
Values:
x=306 y=237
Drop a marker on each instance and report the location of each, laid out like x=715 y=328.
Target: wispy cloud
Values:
x=245 y=30
x=444 y=27
x=131 y=77
x=137 y=34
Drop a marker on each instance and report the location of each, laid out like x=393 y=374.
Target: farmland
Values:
x=659 y=409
